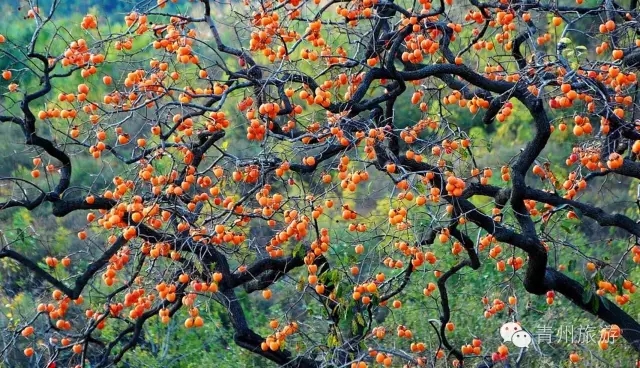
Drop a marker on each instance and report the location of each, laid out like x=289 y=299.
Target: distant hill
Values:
x=106 y=8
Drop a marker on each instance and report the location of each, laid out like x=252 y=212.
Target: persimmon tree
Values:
x=249 y=147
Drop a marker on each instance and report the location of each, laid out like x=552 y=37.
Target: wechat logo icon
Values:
x=514 y=333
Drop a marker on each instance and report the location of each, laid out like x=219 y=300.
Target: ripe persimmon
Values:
x=266 y=294
x=27 y=331
x=617 y=54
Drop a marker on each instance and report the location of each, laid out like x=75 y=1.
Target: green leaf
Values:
x=618 y=283
x=565 y=40
x=595 y=305
x=587 y=294
x=299 y=250
x=349 y=315
x=597 y=278
x=359 y=319
x=339 y=291
x=198 y=266
x=581 y=48
x=330 y=278
x=332 y=341
x=571 y=265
